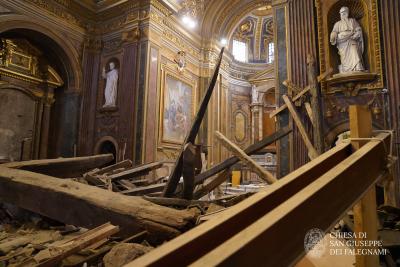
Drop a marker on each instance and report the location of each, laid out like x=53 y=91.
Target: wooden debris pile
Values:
x=28 y=239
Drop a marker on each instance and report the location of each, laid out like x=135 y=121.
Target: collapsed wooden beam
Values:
x=62 y=167
x=295 y=98
x=89 y=206
x=211 y=184
x=249 y=151
x=143 y=190
x=261 y=172
x=281 y=232
x=207 y=236
x=320 y=78
x=176 y=173
x=312 y=152
x=135 y=172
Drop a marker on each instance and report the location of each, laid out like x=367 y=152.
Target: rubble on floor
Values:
x=30 y=239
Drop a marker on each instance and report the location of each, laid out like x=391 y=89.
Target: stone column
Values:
x=282 y=74
x=47 y=101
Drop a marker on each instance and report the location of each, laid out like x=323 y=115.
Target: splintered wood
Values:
x=53 y=255
x=91 y=206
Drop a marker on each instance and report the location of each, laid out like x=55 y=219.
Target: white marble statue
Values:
x=347 y=35
x=254 y=95
x=110 y=93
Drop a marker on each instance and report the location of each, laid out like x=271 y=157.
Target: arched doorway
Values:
x=48 y=58
x=107 y=145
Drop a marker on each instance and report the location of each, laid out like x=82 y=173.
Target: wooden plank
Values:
x=309 y=112
x=261 y=172
x=92 y=206
x=52 y=256
x=312 y=153
x=122 y=164
x=176 y=173
x=281 y=232
x=283 y=107
x=211 y=184
x=137 y=171
x=249 y=151
x=144 y=190
x=188 y=170
x=365 y=214
x=200 y=240
x=62 y=167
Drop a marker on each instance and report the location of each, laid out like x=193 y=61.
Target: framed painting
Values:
x=176 y=109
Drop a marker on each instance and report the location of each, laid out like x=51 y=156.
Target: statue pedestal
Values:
x=349 y=81
x=108 y=109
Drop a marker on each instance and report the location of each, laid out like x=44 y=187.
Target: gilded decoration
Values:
x=20 y=60
x=58 y=11
x=366 y=14
x=177 y=105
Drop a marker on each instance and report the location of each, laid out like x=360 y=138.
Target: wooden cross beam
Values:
x=306 y=89
x=263 y=173
x=176 y=173
x=312 y=152
x=266 y=141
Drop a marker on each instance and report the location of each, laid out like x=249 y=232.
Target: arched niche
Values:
x=359 y=11
x=366 y=13
x=342 y=127
x=19 y=112
x=64 y=113
x=107 y=145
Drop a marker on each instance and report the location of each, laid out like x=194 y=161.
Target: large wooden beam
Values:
x=197 y=242
x=249 y=151
x=312 y=152
x=176 y=173
x=89 y=206
x=254 y=166
x=281 y=232
x=365 y=212
x=62 y=167
x=191 y=136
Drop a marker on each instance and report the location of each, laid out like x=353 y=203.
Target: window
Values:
x=271 y=52
x=239 y=50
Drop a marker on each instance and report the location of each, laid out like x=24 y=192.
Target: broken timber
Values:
x=312 y=152
x=62 y=167
x=262 y=173
x=302 y=93
x=53 y=255
x=89 y=206
x=249 y=151
x=135 y=172
x=191 y=136
x=274 y=217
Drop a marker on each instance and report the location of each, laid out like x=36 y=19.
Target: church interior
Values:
x=200 y=132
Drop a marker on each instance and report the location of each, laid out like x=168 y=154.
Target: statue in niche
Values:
x=347 y=35
x=254 y=95
x=110 y=92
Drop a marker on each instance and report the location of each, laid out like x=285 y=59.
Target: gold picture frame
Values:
x=176 y=112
